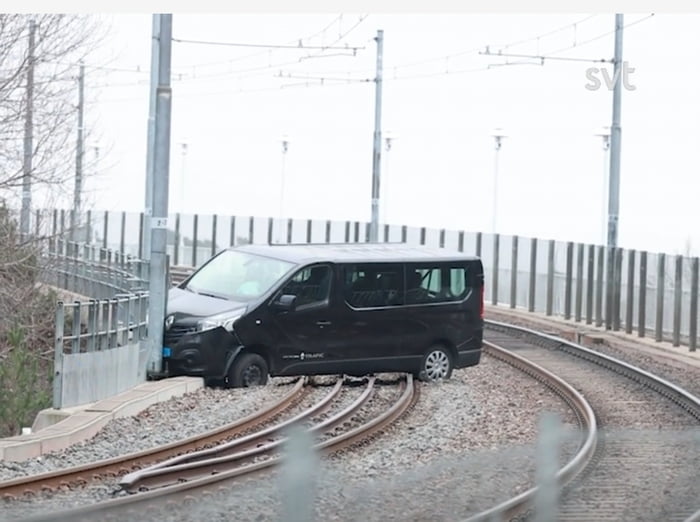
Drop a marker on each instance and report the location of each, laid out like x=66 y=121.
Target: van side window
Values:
x=310 y=285
x=435 y=284
x=371 y=286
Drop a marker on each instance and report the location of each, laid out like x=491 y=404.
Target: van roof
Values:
x=355 y=252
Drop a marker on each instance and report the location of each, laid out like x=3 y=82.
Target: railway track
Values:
x=648 y=431
x=80 y=475
x=599 y=482
x=202 y=472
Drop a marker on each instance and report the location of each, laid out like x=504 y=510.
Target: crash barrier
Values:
x=97 y=350
x=650 y=294
x=93 y=271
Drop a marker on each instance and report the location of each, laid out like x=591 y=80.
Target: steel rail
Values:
x=119 y=465
x=134 y=505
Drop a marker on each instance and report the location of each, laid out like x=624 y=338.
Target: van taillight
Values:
x=481 y=306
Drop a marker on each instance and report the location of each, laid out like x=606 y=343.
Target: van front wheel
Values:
x=250 y=369
x=436 y=364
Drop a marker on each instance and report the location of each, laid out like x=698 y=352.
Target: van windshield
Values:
x=238 y=276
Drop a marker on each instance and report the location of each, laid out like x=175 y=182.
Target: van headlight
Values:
x=226 y=320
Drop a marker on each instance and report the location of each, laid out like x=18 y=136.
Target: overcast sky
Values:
x=441 y=99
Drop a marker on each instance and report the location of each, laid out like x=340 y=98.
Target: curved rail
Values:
x=122 y=464
x=221 y=458
x=131 y=506
x=522 y=504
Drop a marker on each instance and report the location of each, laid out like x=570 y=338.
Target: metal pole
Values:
x=150 y=152
x=615 y=138
x=79 y=154
x=159 y=219
x=28 y=138
x=377 y=153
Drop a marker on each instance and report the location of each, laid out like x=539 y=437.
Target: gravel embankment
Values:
x=457 y=442
x=162 y=423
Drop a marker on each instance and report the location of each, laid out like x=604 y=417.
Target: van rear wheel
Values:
x=250 y=369
x=436 y=364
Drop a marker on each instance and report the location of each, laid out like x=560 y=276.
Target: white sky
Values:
x=440 y=170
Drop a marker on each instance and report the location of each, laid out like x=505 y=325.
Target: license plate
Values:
x=166 y=351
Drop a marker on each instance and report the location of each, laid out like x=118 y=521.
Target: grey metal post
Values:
x=251 y=229
x=641 y=322
x=122 y=232
x=386 y=233
x=308 y=230
x=176 y=247
x=232 y=232
x=579 y=282
x=377 y=152
x=88 y=227
x=157 y=280
x=347 y=231
x=693 y=327
x=589 y=284
x=494 y=284
x=151 y=144
x=290 y=230
x=213 y=233
x=195 y=238
x=629 y=316
x=105 y=229
x=92 y=325
x=25 y=214
x=615 y=138
x=58 y=357
x=478 y=244
x=77 y=193
x=113 y=322
x=328 y=231
x=270 y=229
x=660 y=291
x=104 y=336
x=75 y=342
x=514 y=271
x=533 y=275
x=404 y=233
x=442 y=238
x=422 y=235
x=357 y=231
x=568 y=280
x=460 y=246
x=609 y=252
x=550 y=277
x=677 y=301
x=617 y=289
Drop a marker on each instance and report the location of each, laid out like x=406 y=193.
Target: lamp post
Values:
x=498 y=136
x=604 y=134
x=285 y=147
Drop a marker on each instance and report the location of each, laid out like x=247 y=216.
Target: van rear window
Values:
x=381 y=285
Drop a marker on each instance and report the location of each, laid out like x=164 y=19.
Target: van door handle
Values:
x=323 y=323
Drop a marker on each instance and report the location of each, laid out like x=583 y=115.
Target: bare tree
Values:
x=61 y=42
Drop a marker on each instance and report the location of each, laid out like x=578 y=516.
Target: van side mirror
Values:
x=285 y=303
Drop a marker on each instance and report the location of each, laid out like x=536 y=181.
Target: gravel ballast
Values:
x=459 y=433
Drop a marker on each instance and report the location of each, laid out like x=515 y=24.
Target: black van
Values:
x=354 y=309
